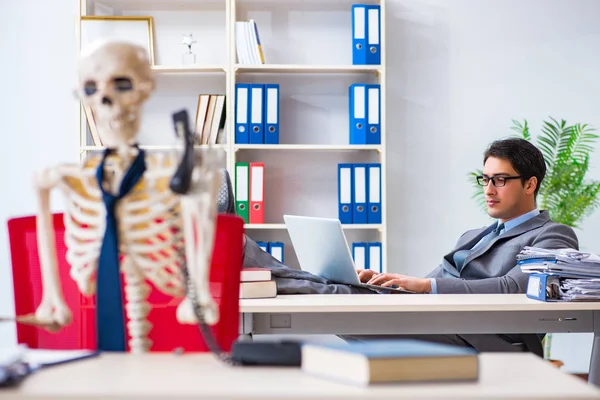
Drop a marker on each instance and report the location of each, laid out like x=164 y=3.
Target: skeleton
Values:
x=156 y=225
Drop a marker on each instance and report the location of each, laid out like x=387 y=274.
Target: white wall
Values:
x=38 y=112
x=458 y=72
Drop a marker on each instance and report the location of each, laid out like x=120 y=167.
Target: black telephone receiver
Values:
x=182 y=178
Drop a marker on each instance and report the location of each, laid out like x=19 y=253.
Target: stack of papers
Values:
x=580 y=289
x=576 y=274
x=563 y=262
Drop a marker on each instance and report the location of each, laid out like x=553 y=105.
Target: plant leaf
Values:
x=564 y=192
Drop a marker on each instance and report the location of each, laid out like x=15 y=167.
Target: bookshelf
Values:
x=307 y=47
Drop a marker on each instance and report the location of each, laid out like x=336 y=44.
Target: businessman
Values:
x=484 y=259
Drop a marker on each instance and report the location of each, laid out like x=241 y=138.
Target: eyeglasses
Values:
x=497 y=181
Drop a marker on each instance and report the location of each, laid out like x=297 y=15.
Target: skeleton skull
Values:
x=115 y=80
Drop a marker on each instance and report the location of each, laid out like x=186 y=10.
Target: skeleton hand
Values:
x=186 y=315
x=53 y=313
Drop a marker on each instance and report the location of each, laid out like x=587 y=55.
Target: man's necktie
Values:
x=110 y=318
x=461 y=255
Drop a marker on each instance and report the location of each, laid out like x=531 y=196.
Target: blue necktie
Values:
x=461 y=255
x=110 y=318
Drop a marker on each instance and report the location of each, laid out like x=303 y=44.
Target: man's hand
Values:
x=365 y=274
x=418 y=285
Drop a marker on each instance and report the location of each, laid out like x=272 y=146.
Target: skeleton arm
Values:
x=53 y=308
x=199 y=219
x=197 y=181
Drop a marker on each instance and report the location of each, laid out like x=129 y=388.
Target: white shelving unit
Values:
x=307 y=47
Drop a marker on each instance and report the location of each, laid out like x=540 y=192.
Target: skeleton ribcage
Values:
x=149 y=221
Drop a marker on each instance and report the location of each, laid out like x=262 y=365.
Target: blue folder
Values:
x=271 y=118
x=358 y=113
x=359 y=34
x=345 y=193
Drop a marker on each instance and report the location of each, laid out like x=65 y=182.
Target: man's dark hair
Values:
x=524 y=157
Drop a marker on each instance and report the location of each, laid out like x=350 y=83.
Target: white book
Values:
x=258 y=290
x=248 y=35
x=253 y=42
x=253 y=274
x=240 y=43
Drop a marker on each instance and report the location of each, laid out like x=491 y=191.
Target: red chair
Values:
x=167 y=334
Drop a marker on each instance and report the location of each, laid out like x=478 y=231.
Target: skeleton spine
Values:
x=137 y=307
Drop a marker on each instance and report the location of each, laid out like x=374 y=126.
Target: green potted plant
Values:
x=564 y=192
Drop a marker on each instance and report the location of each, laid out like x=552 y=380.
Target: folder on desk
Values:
x=358 y=113
x=242 y=97
x=374 y=193
x=544 y=287
x=373 y=53
x=559 y=287
x=271 y=118
x=359 y=198
x=374 y=256
x=359 y=255
x=276 y=250
x=373 y=131
x=359 y=34
x=345 y=182
x=257 y=193
x=242 y=176
x=256 y=114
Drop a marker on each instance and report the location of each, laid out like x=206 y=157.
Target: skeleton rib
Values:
x=152 y=230
x=81 y=233
x=73 y=242
x=146 y=203
x=87 y=204
x=145 y=248
x=148 y=263
x=152 y=214
x=83 y=217
x=76 y=257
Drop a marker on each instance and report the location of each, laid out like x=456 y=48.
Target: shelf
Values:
x=282 y=226
x=313 y=89
x=305 y=68
x=187 y=69
x=301 y=147
x=158 y=147
x=158 y=5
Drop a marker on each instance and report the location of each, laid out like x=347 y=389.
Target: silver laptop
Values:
x=322 y=250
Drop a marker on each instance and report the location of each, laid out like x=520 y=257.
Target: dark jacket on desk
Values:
x=492 y=268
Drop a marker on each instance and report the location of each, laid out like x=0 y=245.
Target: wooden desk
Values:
x=201 y=376
x=420 y=313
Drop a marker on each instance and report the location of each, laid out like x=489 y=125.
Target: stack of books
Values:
x=247 y=43
x=256 y=283
x=210 y=119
